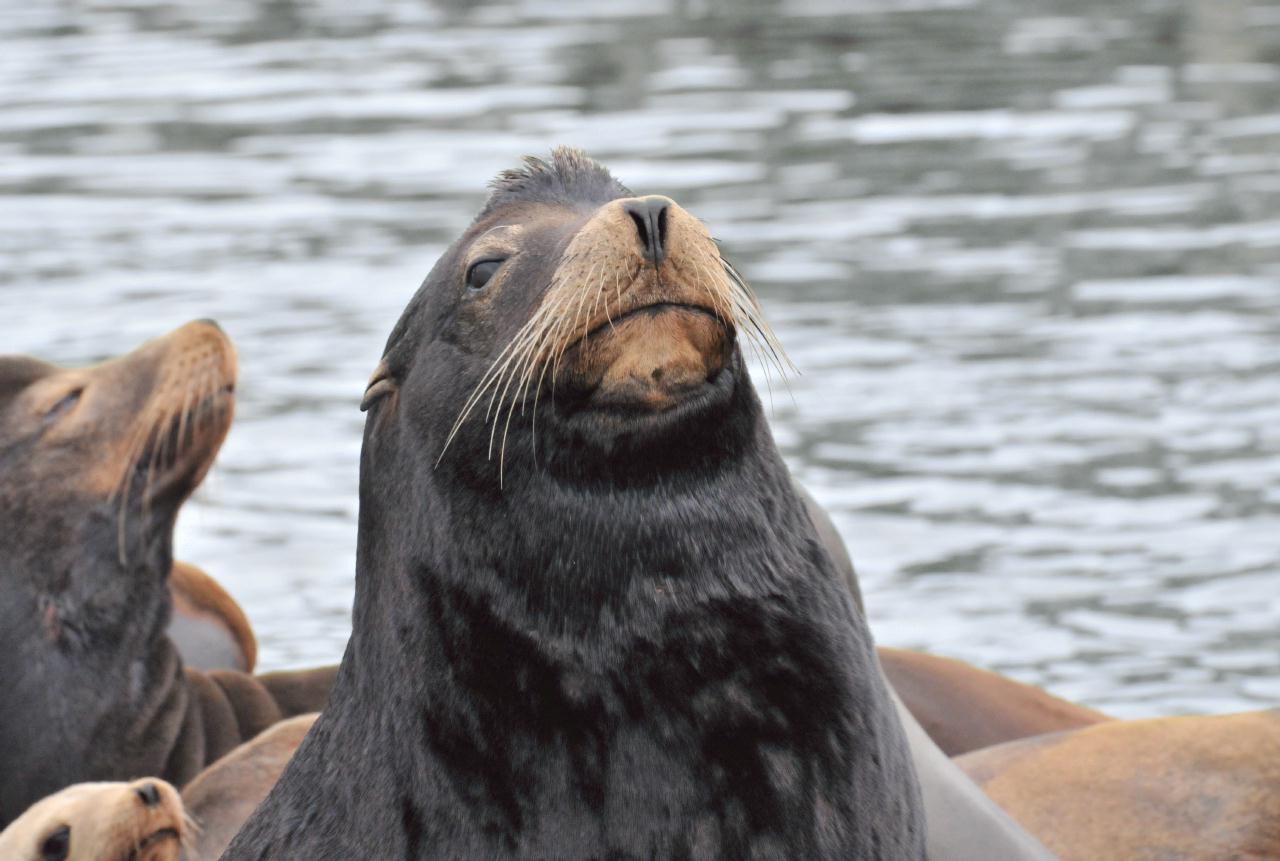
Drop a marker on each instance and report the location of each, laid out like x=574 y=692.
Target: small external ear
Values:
x=380 y=385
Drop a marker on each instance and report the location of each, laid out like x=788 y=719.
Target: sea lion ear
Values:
x=381 y=383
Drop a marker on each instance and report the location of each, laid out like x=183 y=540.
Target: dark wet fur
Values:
x=73 y=624
x=91 y=688
x=638 y=648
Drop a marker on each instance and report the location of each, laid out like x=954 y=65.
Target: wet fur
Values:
x=634 y=646
x=93 y=689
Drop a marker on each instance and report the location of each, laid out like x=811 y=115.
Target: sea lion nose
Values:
x=650 y=217
x=149 y=794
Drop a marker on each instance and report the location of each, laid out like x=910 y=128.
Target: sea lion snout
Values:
x=662 y=326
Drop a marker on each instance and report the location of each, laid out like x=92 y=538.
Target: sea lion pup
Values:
x=618 y=636
x=94 y=466
x=964 y=708
x=209 y=628
x=139 y=821
x=1177 y=789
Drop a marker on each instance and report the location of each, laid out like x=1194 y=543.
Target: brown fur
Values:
x=103 y=822
x=221 y=798
x=1167 y=789
x=208 y=626
x=964 y=708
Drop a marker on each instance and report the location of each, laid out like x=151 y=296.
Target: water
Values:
x=1026 y=254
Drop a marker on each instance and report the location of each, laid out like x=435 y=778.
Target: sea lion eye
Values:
x=57 y=845
x=62 y=406
x=480 y=273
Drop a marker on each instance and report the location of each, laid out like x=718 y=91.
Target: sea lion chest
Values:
x=726 y=730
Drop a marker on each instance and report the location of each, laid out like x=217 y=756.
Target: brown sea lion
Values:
x=619 y=635
x=964 y=708
x=209 y=628
x=222 y=796
x=1173 y=789
x=138 y=821
x=94 y=465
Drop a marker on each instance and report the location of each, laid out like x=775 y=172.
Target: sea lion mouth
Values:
x=182 y=451
x=156 y=838
x=651 y=360
x=186 y=416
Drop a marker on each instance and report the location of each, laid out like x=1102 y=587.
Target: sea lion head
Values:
x=94 y=465
x=571 y=316
x=95 y=462
x=139 y=821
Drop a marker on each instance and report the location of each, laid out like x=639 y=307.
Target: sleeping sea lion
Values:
x=209 y=628
x=964 y=708
x=1203 y=788
x=592 y=617
x=139 y=821
x=94 y=465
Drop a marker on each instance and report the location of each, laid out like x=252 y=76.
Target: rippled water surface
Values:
x=1025 y=253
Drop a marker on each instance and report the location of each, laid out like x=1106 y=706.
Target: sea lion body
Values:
x=964 y=708
x=209 y=628
x=619 y=636
x=223 y=796
x=94 y=466
x=139 y=821
x=1201 y=788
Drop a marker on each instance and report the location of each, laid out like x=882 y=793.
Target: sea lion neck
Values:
x=571 y=533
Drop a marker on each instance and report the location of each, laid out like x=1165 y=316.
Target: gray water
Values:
x=1026 y=255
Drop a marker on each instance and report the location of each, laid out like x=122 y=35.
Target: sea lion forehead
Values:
x=568 y=178
x=19 y=372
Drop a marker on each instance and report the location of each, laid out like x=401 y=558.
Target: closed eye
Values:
x=64 y=405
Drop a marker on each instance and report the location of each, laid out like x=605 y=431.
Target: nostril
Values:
x=649 y=214
x=641 y=227
x=149 y=794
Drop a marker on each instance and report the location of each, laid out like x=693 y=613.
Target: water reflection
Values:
x=1028 y=262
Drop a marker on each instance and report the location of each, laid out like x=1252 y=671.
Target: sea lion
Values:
x=138 y=821
x=94 y=465
x=209 y=628
x=619 y=635
x=964 y=708
x=1178 y=789
x=222 y=796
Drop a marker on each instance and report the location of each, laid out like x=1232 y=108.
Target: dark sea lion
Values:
x=209 y=628
x=1176 y=789
x=138 y=821
x=94 y=465
x=223 y=796
x=619 y=636
x=964 y=708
